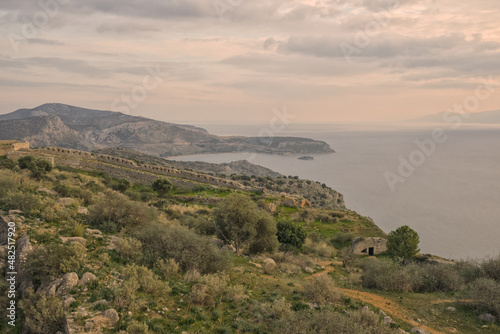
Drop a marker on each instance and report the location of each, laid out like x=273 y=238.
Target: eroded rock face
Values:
x=23 y=249
x=61 y=286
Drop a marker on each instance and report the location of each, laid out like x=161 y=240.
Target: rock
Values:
x=382 y=313
x=87 y=278
x=488 y=318
x=65 y=201
x=388 y=320
x=23 y=249
x=99 y=302
x=47 y=191
x=419 y=330
x=15 y=212
x=309 y=270
x=229 y=248
x=61 y=286
x=83 y=210
x=269 y=262
x=451 y=309
x=92 y=232
x=68 y=301
x=365 y=309
x=71 y=240
x=112 y=315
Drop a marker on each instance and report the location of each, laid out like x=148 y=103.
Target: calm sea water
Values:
x=452 y=199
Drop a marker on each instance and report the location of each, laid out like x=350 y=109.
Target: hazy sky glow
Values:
x=239 y=59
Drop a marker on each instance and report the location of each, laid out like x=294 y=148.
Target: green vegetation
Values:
x=403 y=243
x=165 y=263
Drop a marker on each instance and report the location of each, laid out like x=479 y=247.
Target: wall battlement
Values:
x=134 y=171
x=7 y=146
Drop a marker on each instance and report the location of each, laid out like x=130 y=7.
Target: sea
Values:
x=442 y=180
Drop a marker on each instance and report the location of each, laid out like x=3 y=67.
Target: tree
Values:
x=239 y=221
x=38 y=167
x=162 y=186
x=291 y=234
x=403 y=243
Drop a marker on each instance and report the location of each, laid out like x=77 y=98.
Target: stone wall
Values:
x=143 y=173
x=362 y=246
x=7 y=146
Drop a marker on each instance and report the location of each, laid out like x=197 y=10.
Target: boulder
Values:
x=112 y=315
x=309 y=270
x=99 y=302
x=365 y=309
x=61 y=286
x=65 y=201
x=418 y=330
x=388 y=320
x=488 y=318
x=451 y=309
x=83 y=210
x=72 y=240
x=68 y=301
x=87 y=278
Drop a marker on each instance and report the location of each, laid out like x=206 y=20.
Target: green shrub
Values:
x=29 y=204
x=42 y=313
x=78 y=230
x=162 y=186
x=51 y=260
x=342 y=240
x=491 y=268
x=322 y=290
x=199 y=224
x=115 y=212
x=240 y=222
x=291 y=234
x=138 y=328
x=8 y=184
x=148 y=282
x=37 y=167
x=485 y=292
x=168 y=268
x=129 y=248
x=403 y=243
x=187 y=248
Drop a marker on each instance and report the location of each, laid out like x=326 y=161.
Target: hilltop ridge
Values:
x=61 y=125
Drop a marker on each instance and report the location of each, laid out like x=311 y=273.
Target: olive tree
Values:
x=162 y=186
x=239 y=221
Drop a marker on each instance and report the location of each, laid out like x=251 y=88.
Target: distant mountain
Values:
x=485 y=117
x=85 y=129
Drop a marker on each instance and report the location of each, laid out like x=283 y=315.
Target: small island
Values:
x=306 y=158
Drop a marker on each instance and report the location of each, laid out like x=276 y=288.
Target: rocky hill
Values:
x=84 y=129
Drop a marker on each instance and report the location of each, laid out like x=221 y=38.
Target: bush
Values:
x=322 y=291
x=42 y=313
x=329 y=321
x=115 y=212
x=120 y=185
x=78 y=230
x=199 y=224
x=7 y=184
x=168 y=268
x=342 y=240
x=49 y=261
x=291 y=234
x=162 y=186
x=491 y=268
x=138 y=328
x=187 y=248
x=485 y=292
x=129 y=248
x=403 y=243
x=148 y=282
x=29 y=204
x=37 y=167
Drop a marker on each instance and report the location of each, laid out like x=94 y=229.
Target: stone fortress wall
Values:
x=7 y=146
x=142 y=173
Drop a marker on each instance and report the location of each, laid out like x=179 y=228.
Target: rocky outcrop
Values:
x=23 y=249
x=61 y=286
x=488 y=318
x=87 y=278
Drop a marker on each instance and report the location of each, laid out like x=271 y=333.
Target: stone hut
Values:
x=369 y=246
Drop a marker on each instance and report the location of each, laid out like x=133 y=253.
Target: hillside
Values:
x=98 y=253
x=485 y=117
x=78 y=128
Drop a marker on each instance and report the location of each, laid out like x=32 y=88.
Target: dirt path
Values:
x=386 y=305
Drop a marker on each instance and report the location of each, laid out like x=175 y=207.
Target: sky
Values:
x=237 y=61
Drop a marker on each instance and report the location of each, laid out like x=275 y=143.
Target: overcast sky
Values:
x=236 y=60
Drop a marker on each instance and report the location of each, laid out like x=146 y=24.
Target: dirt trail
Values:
x=328 y=269
x=386 y=305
